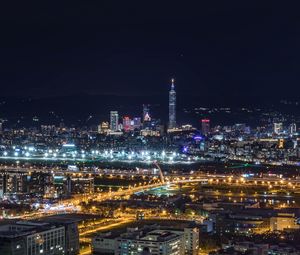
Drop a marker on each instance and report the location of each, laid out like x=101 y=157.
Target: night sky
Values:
x=234 y=49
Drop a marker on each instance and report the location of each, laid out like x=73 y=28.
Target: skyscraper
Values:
x=114 y=120
x=277 y=128
x=137 y=123
x=172 y=106
x=127 y=124
x=205 y=126
x=146 y=112
x=293 y=128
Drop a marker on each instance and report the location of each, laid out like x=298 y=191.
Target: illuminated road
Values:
x=86 y=251
x=171 y=178
x=229 y=179
x=68 y=204
x=65 y=206
x=106 y=226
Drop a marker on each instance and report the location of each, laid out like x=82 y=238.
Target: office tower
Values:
x=205 y=126
x=71 y=232
x=153 y=239
x=172 y=106
x=191 y=236
x=42 y=184
x=148 y=240
x=70 y=224
x=80 y=185
x=104 y=127
x=293 y=128
x=278 y=128
x=114 y=120
x=32 y=238
x=137 y=123
x=68 y=183
x=12 y=182
x=127 y=124
x=146 y=112
x=99 y=129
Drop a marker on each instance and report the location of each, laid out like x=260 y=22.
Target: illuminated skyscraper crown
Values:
x=172 y=86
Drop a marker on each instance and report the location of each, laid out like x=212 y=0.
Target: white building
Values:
x=278 y=128
x=155 y=240
x=159 y=242
x=114 y=120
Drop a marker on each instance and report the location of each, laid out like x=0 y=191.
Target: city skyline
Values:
x=136 y=128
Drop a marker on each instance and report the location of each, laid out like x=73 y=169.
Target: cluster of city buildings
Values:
x=275 y=141
x=146 y=126
x=39 y=184
x=141 y=139
x=253 y=248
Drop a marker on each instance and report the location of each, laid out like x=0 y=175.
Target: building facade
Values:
x=114 y=120
x=27 y=238
x=13 y=182
x=155 y=241
x=205 y=126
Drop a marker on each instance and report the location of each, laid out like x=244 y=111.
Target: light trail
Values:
x=105 y=227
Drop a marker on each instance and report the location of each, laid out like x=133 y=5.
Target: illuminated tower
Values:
x=114 y=120
x=293 y=128
x=205 y=126
x=172 y=106
x=127 y=124
x=278 y=128
x=146 y=112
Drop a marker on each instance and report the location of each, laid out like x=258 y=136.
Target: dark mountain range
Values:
x=80 y=110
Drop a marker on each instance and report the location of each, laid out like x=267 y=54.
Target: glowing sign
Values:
x=198 y=137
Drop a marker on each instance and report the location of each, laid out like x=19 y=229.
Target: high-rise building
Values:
x=127 y=124
x=146 y=112
x=114 y=120
x=293 y=128
x=79 y=185
x=12 y=182
x=32 y=238
x=71 y=232
x=41 y=184
x=205 y=126
x=172 y=106
x=104 y=127
x=136 y=123
x=99 y=129
x=278 y=128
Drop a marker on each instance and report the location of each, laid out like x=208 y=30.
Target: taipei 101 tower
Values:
x=172 y=106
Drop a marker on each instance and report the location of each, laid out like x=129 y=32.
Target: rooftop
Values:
x=159 y=236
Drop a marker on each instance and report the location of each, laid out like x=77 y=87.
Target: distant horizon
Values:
x=74 y=110
x=212 y=100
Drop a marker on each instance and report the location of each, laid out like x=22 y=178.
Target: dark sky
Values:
x=229 y=48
